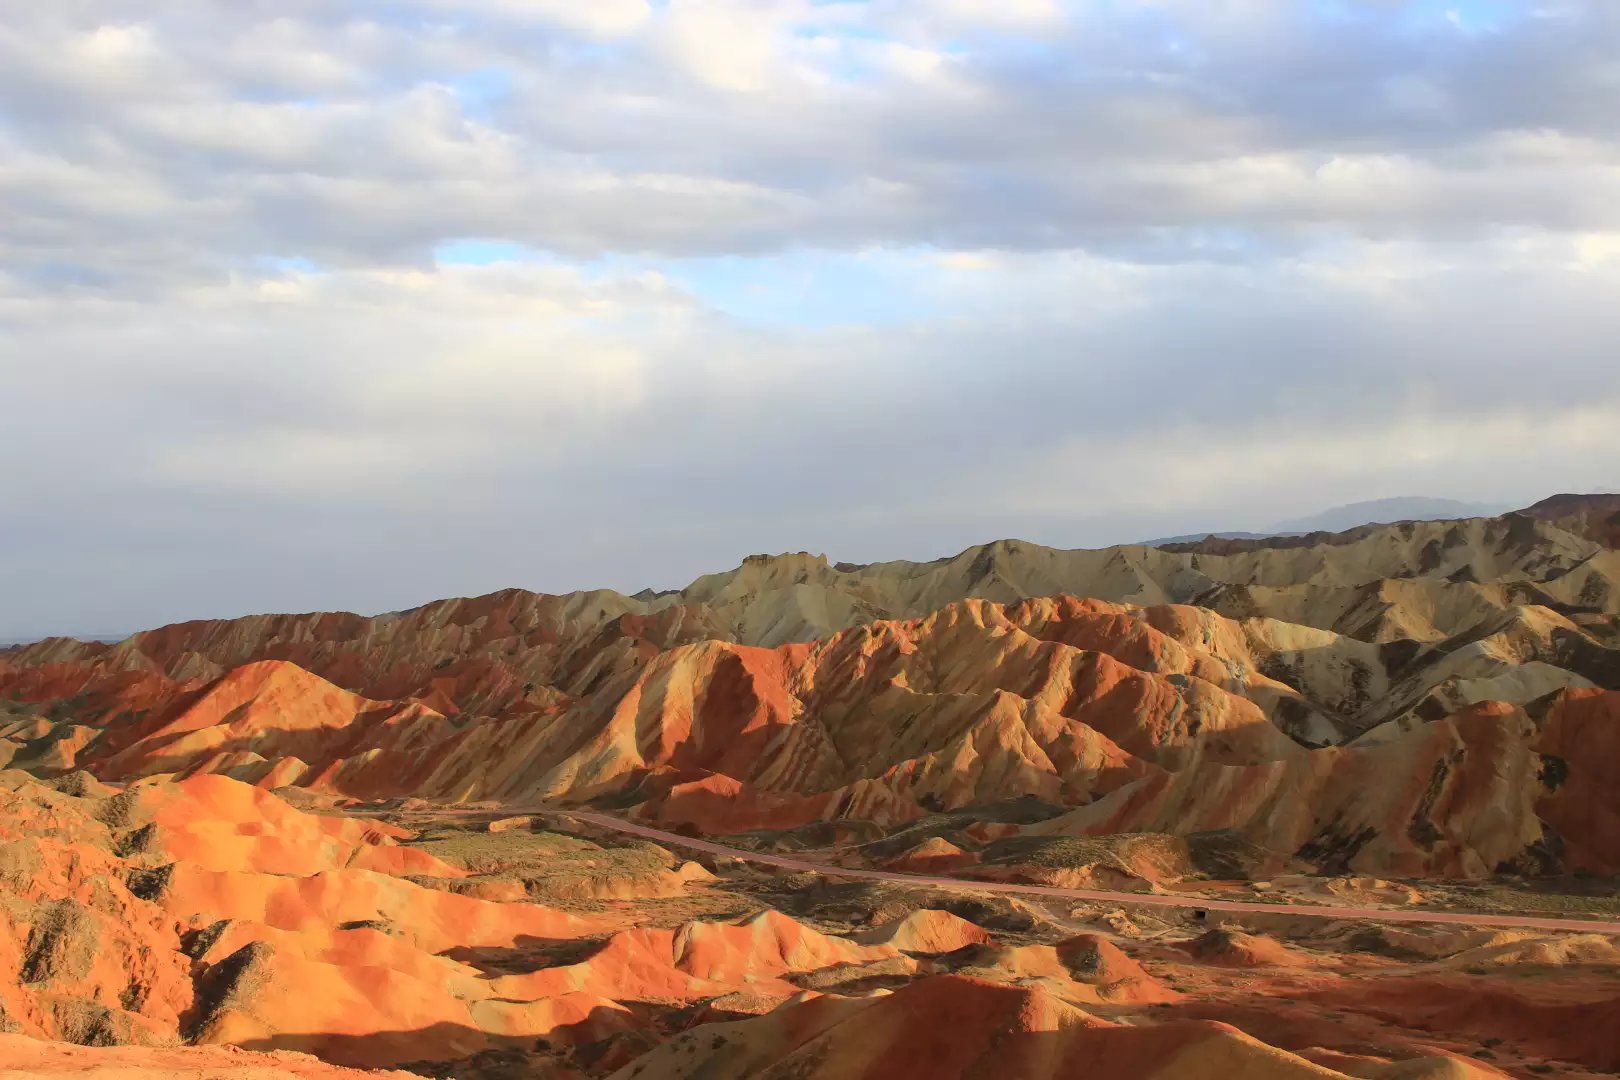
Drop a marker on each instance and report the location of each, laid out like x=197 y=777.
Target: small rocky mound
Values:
x=1418 y=942
x=766 y=955
x=81 y=785
x=1561 y=951
x=867 y=904
x=1133 y=862
x=1224 y=947
x=515 y=862
x=936 y=855
x=927 y=932
x=1350 y=889
x=1084 y=968
x=1094 y=959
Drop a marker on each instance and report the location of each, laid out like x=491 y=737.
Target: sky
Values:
x=346 y=304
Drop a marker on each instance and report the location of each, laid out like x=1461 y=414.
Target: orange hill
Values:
x=1169 y=719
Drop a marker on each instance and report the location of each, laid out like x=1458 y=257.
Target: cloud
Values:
x=598 y=18
x=750 y=127
x=882 y=279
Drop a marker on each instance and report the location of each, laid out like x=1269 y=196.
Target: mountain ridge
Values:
x=976 y=570
x=1575 y=512
x=788 y=690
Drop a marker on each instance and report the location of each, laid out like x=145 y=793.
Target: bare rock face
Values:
x=928 y=931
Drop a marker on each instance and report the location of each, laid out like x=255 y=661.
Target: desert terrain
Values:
x=1333 y=805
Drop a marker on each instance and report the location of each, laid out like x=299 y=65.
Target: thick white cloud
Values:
x=368 y=132
x=877 y=278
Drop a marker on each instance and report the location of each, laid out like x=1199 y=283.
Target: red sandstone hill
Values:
x=1164 y=719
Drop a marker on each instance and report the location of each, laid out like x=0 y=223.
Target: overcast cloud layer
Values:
x=317 y=304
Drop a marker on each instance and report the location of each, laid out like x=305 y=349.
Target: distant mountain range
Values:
x=1193 y=538
x=1352 y=515
x=1383 y=511
x=108 y=639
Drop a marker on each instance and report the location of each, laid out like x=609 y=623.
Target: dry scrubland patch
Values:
x=1151 y=856
x=518 y=853
x=557 y=867
x=841 y=907
x=1598 y=897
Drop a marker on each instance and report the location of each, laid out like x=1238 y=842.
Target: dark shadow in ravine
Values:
x=469 y=1053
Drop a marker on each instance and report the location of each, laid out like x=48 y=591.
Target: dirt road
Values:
x=669 y=839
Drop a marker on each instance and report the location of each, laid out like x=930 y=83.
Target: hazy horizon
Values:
x=111 y=634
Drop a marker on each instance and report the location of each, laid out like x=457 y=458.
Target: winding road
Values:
x=1321 y=911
